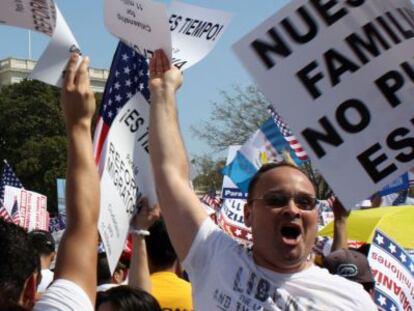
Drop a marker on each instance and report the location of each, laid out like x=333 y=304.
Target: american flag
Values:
x=128 y=75
x=288 y=135
x=9 y=178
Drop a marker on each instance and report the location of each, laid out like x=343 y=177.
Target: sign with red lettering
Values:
x=341 y=74
x=393 y=270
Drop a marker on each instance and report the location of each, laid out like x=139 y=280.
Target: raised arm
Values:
x=180 y=207
x=340 y=236
x=77 y=256
x=139 y=274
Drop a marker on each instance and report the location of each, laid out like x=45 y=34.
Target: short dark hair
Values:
x=270 y=166
x=18 y=261
x=126 y=298
x=103 y=272
x=159 y=247
x=42 y=241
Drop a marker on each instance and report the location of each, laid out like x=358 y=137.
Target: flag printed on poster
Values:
x=393 y=270
x=8 y=178
x=128 y=76
x=28 y=209
x=121 y=148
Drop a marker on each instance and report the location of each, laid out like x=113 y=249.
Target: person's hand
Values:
x=77 y=99
x=146 y=216
x=163 y=76
x=339 y=210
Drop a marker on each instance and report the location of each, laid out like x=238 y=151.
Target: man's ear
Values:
x=29 y=291
x=247 y=210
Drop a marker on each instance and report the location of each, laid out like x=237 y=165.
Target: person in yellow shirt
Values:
x=172 y=292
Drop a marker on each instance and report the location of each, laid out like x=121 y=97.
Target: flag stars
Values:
x=118 y=98
x=403 y=257
x=411 y=267
x=129 y=95
x=128 y=83
x=110 y=102
x=392 y=248
x=381 y=300
x=117 y=73
x=237 y=232
x=379 y=239
x=141 y=86
x=117 y=86
x=125 y=57
x=393 y=308
x=127 y=70
x=110 y=114
x=249 y=236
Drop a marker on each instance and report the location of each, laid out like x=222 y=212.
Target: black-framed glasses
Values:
x=280 y=199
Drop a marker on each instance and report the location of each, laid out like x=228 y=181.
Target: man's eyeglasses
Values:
x=279 y=199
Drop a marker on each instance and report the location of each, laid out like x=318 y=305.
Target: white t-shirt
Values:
x=64 y=295
x=47 y=278
x=225 y=277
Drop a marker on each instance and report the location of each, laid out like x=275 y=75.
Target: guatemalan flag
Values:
x=128 y=75
x=268 y=144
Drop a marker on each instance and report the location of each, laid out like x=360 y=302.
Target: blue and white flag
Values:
x=266 y=145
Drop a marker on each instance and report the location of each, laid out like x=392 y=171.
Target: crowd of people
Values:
x=180 y=259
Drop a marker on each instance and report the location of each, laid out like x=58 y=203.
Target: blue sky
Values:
x=220 y=70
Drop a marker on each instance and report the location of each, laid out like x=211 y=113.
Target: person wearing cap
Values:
x=44 y=243
x=277 y=273
x=351 y=265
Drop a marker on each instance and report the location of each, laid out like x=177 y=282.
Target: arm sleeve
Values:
x=64 y=295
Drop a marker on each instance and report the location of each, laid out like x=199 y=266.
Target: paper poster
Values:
x=341 y=76
x=142 y=24
x=127 y=175
x=393 y=270
x=30 y=206
x=187 y=33
x=195 y=31
x=43 y=16
x=230 y=217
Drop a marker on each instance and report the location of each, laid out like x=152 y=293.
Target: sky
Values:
x=220 y=70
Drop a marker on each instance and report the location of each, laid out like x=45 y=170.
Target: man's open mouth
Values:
x=290 y=233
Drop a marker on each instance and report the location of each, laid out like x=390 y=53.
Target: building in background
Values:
x=14 y=70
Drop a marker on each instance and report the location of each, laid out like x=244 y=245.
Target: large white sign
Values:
x=126 y=176
x=43 y=16
x=142 y=24
x=195 y=31
x=31 y=207
x=341 y=74
x=393 y=270
x=186 y=35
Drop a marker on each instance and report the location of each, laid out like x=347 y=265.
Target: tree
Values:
x=32 y=136
x=234 y=119
x=208 y=173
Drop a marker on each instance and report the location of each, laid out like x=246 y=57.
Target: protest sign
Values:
x=341 y=76
x=186 y=35
x=393 y=270
x=126 y=175
x=195 y=31
x=230 y=217
x=43 y=16
x=142 y=24
x=31 y=206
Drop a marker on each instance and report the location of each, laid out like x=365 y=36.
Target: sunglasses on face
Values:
x=279 y=199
